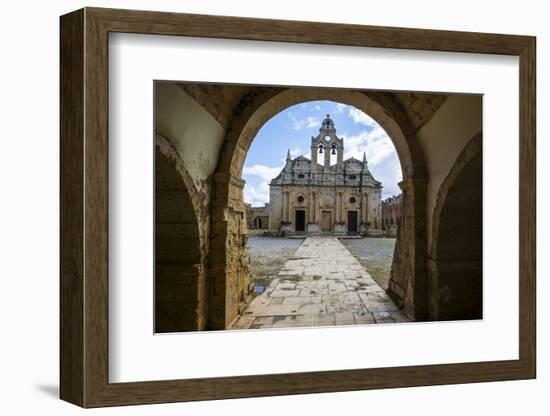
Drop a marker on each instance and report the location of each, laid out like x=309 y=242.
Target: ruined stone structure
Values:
x=257 y=218
x=391 y=214
x=343 y=198
x=202 y=277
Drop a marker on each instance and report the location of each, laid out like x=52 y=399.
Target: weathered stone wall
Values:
x=408 y=280
x=391 y=211
x=231 y=288
x=257 y=218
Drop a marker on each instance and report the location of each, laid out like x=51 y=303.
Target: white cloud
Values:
x=256 y=195
x=298 y=124
x=359 y=117
x=265 y=172
x=293 y=154
x=376 y=143
x=381 y=156
x=313 y=122
x=254 y=192
x=340 y=107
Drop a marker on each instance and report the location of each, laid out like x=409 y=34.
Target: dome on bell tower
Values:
x=327 y=125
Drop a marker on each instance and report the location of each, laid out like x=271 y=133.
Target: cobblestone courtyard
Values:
x=268 y=256
x=375 y=255
x=321 y=284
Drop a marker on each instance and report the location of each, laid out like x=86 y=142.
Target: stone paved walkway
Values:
x=321 y=285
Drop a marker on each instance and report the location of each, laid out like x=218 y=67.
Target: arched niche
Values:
x=180 y=297
x=455 y=255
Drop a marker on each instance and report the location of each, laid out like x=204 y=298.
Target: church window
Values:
x=352 y=200
x=300 y=199
x=300 y=176
x=352 y=177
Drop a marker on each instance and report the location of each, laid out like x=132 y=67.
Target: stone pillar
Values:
x=364 y=214
x=311 y=207
x=312 y=227
x=283 y=206
x=314 y=152
x=339 y=224
x=316 y=207
x=340 y=208
x=287 y=208
x=408 y=284
x=327 y=156
x=340 y=156
x=363 y=227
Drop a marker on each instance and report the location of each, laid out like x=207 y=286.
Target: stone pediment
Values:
x=372 y=181
x=277 y=180
x=301 y=159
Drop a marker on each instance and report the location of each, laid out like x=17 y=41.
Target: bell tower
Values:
x=327 y=143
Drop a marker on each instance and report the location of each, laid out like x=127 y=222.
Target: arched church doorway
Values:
x=352 y=222
x=300 y=220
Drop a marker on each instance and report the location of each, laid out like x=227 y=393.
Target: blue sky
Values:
x=292 y=129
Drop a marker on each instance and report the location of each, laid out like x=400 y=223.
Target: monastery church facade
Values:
x=313 y=196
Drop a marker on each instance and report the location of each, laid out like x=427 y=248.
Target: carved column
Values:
x=338 y=202
x=283 y=206
x=340 y=207
x=311 y=206
x=287 y=208
x=315 y=206
x=365 y=213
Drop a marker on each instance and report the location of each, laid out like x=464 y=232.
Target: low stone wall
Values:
x=391 y=231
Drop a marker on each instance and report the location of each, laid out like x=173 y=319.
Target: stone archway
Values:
x=180 y=295
x=455 y=256
x=228 y=261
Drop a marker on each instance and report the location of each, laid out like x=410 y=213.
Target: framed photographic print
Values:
x=256 y=207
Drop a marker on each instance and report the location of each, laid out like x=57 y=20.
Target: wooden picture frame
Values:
x=84 y=207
